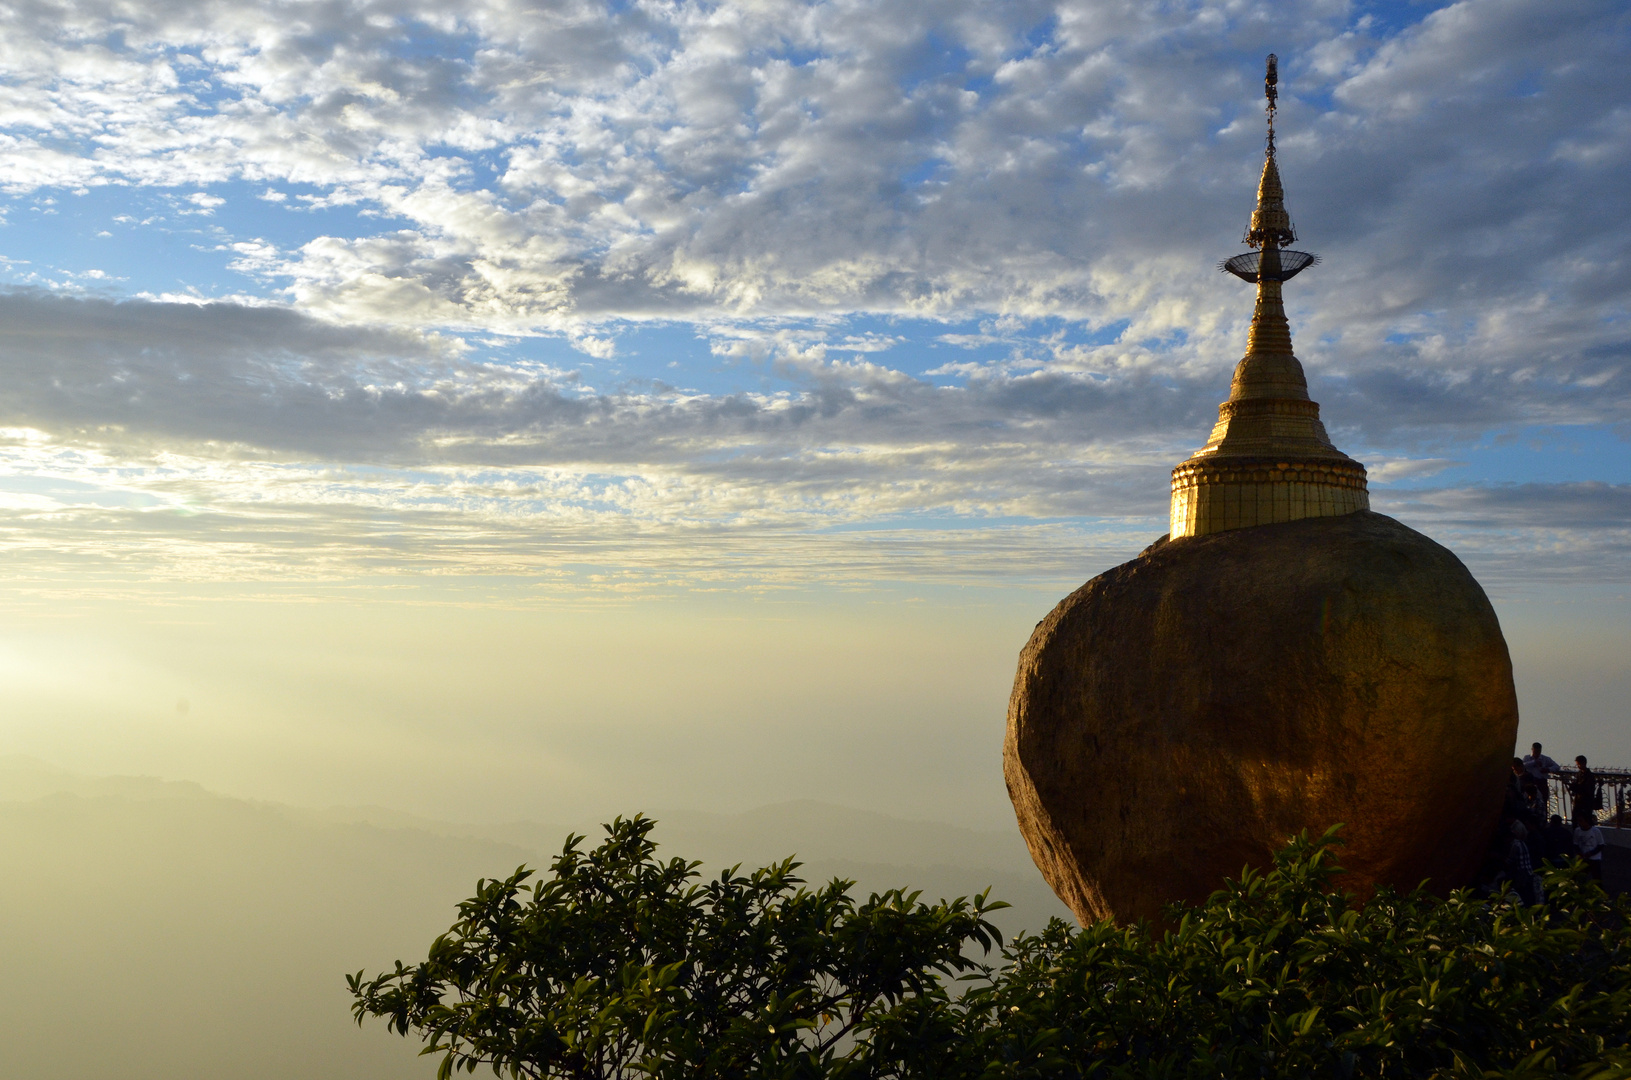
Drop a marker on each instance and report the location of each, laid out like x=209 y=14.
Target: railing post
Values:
x=1560 y=801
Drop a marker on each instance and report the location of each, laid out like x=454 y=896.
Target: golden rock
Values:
x=1180 y=716
x=1286 y=661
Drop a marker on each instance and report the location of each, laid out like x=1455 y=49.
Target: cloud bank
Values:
x=822 y=195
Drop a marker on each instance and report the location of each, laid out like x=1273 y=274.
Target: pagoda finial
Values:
x=1269 y=458
x=1271 y=225
x=1271 y=90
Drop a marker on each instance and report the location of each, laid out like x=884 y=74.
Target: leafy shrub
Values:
x=619 y=965
x=1279 y=974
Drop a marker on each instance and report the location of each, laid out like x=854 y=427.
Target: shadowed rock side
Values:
x=1181 y=715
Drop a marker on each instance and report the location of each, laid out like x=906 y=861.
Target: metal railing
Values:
x=1615 y=785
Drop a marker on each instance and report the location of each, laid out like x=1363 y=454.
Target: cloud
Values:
x=1588 y=506
x=1049 y=184
x=204 y=439
x=224 y=379
x=1514 y=536
x=1388 y=471
x=689 y=161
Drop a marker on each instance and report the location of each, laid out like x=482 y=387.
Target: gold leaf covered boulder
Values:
x=1286 y=661
x=1183 y=714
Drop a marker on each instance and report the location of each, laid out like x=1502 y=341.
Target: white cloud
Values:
x=766 y=172
x=1388 y=470
x=1040 y=158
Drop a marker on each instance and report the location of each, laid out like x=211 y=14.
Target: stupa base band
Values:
x=1237 y=493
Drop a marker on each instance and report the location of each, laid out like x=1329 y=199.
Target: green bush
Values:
x=1279 y=974
x=619 y=965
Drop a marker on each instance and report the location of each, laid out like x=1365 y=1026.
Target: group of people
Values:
x=1535 y=837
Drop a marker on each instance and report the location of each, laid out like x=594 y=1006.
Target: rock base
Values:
x=1182 y=715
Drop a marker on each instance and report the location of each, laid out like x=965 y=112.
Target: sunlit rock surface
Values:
x=1181 y=715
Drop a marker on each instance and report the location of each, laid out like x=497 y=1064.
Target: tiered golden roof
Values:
x=1269 y=458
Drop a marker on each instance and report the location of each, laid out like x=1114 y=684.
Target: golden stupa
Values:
x=1182 y=714
x=1269 y=458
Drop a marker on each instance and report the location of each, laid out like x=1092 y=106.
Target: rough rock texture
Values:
x=1181 y=715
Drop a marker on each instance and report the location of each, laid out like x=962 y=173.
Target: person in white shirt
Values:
x=1589 y=843
x=1540 y=766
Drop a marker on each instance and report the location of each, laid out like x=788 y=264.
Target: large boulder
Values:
x=1182 y=715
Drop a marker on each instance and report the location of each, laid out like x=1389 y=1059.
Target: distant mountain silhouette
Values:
x=153 y=929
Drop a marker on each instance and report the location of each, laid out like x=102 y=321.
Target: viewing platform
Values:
x=1615 y=785
x=1614 y=819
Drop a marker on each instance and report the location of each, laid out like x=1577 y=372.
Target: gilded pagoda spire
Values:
x=1268 y=458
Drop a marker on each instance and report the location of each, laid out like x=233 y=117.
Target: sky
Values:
x=506 y=408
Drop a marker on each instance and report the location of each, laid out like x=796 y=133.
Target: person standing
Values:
x=1517 y=805
x=1583 y=789
x=1541 y=769
x=1520 y=870
x=1589 y=842
x=1540 y=766
x=1559 y=841
x=1535 y=801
